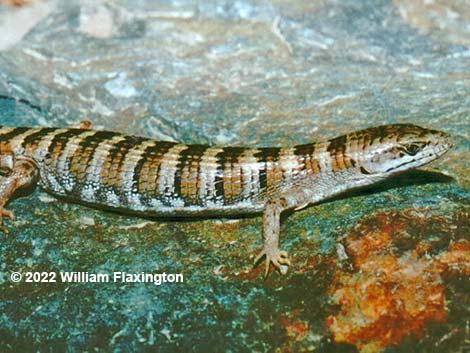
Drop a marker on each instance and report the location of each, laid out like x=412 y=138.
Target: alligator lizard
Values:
x=139 y=175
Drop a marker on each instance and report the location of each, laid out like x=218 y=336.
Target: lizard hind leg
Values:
x=271 y=229
x=23 y=173
x=7 y=161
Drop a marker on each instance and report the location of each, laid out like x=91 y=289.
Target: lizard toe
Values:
x=279 y=259
x=6 y=213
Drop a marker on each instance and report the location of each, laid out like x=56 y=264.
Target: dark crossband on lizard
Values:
x=139 y=175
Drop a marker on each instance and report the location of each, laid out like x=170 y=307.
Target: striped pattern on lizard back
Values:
x=140 y=174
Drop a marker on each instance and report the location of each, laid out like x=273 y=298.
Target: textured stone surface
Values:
x=226 y=72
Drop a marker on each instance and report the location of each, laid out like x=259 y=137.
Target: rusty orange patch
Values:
x=296 y=329
x=396 y=288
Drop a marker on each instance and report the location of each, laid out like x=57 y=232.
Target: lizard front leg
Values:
x=294 y=198
x=16 y=173
x=271 y=230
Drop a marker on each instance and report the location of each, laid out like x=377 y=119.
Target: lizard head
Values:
x=393 y=148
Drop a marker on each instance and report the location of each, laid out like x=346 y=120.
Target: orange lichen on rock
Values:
x=392 y=291
x=296 y=329
x=456 y=258
x=386 y=300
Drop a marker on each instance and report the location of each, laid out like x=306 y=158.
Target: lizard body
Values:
x=160 y=178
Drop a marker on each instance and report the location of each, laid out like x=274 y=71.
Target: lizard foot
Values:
x=279 y=258
x=5 y=213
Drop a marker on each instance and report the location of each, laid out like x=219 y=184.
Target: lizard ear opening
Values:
x=365 y=171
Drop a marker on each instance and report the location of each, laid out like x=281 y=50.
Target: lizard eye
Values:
x=412 y=148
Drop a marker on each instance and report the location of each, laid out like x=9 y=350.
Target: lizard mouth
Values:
x=428 y=155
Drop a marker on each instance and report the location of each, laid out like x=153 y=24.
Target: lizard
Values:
x=140 y=175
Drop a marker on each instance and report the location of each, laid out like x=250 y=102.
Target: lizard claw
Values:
x=279 y=258
x=5 y=213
